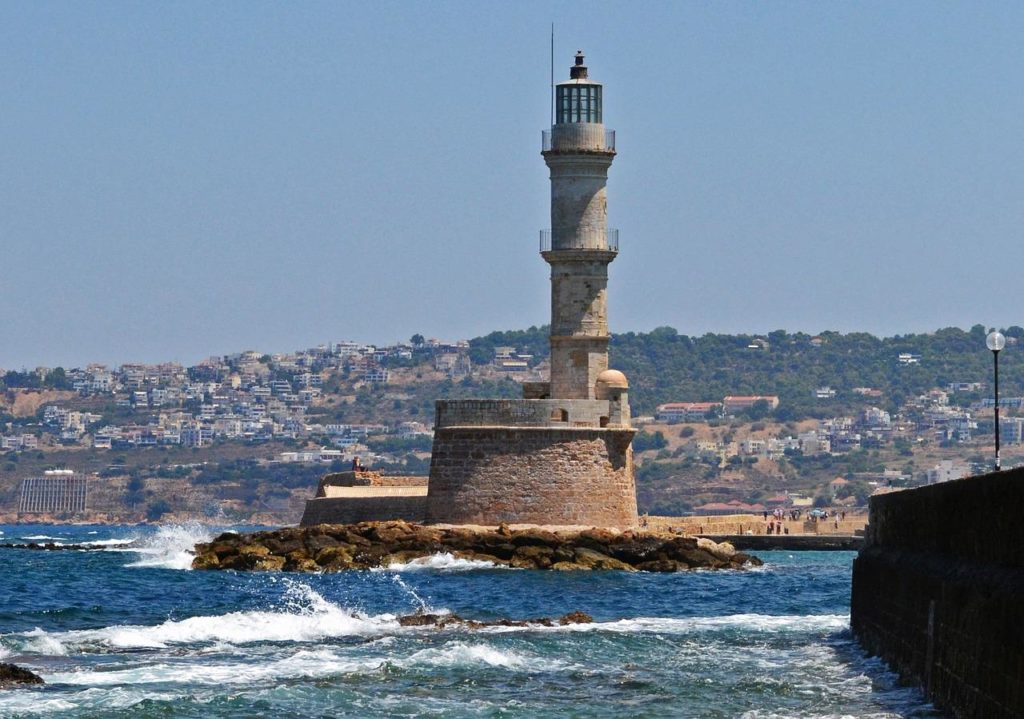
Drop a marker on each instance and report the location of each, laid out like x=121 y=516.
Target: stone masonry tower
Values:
x=561 y=455
x=579 y=246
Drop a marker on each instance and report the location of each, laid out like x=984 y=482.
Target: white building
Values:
x=946 y=470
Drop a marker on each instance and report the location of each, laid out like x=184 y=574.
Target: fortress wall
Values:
x=489 y=475
x=348 y=510
x=938 y=591
x=519 y=412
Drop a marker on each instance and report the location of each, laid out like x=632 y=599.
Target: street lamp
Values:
x=995 y=342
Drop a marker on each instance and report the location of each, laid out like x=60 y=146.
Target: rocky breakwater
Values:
x=339 y=547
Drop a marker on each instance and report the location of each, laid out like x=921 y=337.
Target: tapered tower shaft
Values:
x=578 y=151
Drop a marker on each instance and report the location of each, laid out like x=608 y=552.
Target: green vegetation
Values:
x=665 y=366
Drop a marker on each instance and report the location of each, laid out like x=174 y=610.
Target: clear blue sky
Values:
x=192 y=178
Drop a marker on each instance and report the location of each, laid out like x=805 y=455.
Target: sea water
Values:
x=128 y=630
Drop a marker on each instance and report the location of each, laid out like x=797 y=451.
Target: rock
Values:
x=568 y=567
x=531 y=556
x=13 y=675
x=662 y=565
x=332 y=556
x=371 y=544
x=592 y=559
x=296 y=562
x=535 y=537
x=401 y=557
x=273 y=563
x=208 y=560
x=576 y=617
x=253 y=550
x=724 y=551
x=634 y=550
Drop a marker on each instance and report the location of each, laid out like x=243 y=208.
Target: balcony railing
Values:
x=578 y=137
x=607 y=241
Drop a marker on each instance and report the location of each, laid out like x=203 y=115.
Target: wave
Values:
x=445 y=562
x=171 y=546
x=110 y=542
x=307 y=617
x=462 y=654
x=39 y=537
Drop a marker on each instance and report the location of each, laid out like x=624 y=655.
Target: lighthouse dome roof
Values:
x=613 y=378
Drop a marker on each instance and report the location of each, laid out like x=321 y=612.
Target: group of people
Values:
x=775 y=524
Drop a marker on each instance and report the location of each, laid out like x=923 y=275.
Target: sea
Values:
x=127 y=629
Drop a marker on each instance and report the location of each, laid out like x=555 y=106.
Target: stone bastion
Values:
x=532 y=461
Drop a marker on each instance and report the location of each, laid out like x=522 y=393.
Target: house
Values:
x=946 y=470
x=686 y=411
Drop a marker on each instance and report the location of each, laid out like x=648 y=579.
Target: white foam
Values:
x=308 y=617
x=462 y=654
x=302 y=664
x=171 y=547
x=445 y=562
x=38 y=537
x=693 y=625
x=14 y=703
x=110 y=542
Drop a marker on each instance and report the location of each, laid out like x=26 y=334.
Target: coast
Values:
x=368 y=545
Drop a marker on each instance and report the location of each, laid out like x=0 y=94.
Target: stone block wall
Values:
x=348 y=510
x=569 y=476
x=938 y=591
x=520 y=413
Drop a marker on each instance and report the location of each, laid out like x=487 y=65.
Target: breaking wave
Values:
x=306 y=617
x=171 y=546
x=445 y=562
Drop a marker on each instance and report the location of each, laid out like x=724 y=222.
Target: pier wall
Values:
x=938 y=592
x=352 y=509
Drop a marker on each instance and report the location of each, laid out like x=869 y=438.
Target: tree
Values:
x=644 y=441
x=417 y=340
x=157 y=509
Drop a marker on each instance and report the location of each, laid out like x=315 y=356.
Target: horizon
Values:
x=190 y=179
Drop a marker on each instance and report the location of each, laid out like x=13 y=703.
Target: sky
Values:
x=180 y=180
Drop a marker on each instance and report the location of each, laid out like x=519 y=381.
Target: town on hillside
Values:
x=246 y=436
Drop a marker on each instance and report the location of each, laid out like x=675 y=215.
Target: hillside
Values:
x=875 y=411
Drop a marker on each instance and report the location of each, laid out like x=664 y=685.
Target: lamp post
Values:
x=995 y=342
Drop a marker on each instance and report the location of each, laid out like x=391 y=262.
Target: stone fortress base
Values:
x=528 y=461
x=531 y=462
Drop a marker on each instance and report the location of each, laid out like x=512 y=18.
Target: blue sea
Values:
x=128 y=630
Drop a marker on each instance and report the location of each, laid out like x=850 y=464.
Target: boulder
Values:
x=207 y=560
x=724 y=551
x=592 y=559
x=576 y=617
x=273 y=563
x=535 y=537
x=371 y=544
x=13 y=675
x=568 y=567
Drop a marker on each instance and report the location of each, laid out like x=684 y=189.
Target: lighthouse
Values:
x=562 y=454
x=579 y=246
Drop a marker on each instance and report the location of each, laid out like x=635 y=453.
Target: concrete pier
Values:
x=938 y=592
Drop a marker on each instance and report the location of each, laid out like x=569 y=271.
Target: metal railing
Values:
x=578 y=137
x=607 y=241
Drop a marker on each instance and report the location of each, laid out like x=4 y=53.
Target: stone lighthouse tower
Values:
x=562 y=454
x=579 y=246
